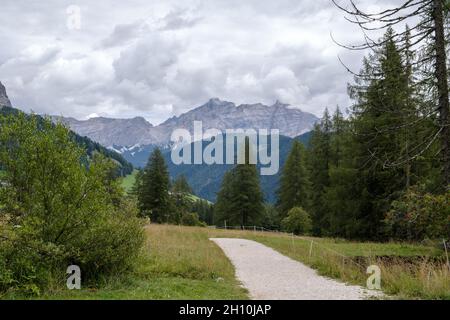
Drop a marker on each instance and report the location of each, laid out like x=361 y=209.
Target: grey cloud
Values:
x=179 y=19
x=122 y=34
x=158 y=59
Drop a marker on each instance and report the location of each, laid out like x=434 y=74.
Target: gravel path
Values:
x=269 y=275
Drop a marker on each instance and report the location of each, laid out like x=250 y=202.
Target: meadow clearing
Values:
x=182 y=263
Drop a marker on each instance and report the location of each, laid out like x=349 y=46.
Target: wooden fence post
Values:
x=446 y=253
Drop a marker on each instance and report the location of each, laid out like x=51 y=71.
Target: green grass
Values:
x=194 y=198
x=182 y=263
x=178 y=263
x=423 y=279
x=128 y=181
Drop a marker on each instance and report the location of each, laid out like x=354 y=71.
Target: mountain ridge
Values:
x=215 y=113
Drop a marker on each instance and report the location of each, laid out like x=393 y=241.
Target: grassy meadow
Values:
x=177 y=263
x=182 y=263
x=128 y=181
x=408 y=271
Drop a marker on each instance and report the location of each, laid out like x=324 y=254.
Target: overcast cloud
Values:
x=161 y=58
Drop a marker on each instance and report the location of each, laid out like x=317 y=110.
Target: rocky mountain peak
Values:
x=216 y=102
x=279 y=104
x=141 y=121
x=215 y=113
x=4 y=100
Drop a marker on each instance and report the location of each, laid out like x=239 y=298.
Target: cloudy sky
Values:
x=161 y=58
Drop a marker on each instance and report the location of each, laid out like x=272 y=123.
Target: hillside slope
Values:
x=90 y=146
x=206 y=180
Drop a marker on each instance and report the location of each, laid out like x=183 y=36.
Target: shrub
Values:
x=59 y=208
x=297 y=221
x=418 y=215
x=191 y=219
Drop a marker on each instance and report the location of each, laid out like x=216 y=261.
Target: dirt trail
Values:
x=268 y=274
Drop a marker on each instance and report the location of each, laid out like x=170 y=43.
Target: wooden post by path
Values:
x=310 y=248
x=446 y=253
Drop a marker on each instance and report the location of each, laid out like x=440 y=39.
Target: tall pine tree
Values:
x=294 y=190
x=240 y=200
x=364 y=181
x=153 y=189
x=319 y=158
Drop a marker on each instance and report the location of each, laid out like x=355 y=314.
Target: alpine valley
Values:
x=132 y=140
x=136 y=138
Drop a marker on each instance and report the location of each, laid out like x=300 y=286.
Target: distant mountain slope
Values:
x=127 y=134
x=109 y=132
x=206 y=180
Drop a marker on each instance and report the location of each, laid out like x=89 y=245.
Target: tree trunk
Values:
x=442 y=86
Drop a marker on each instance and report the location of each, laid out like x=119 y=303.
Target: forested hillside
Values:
x=90 y=146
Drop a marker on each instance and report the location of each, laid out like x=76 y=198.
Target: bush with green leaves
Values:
x=419 y=215
x=191 y=219
x=297 y=221
x=58 y=207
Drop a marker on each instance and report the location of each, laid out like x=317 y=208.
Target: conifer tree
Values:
x=240 y=200
x=294 y=189
x=153 y=190
x=362 y=183
x=225 y=209
x=181 y=185
x=319 y=158
x=428 y=36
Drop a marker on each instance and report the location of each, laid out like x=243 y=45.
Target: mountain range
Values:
x=132 y=140
x=206 y=180
x=135 y=138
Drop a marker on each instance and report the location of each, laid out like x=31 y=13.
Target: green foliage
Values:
x=360 y=165
x=205 y=211
x=191 y=219
x=319 y=161
x=294 y=190
x=240 y=199
x=271 y=218
x=152 y=187
x=418 y=215
x=129 y=181
x=181 y=185
x=297 y=221
x=58 y=210
x=90 y=147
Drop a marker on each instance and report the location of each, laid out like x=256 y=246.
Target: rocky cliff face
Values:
x=112 y=132
x=215 y=113
x=223 y=115
x=4 y=100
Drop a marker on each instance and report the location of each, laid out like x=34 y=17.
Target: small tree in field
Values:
x=297 y=221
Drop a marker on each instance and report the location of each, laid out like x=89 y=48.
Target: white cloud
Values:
x=159 y=59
